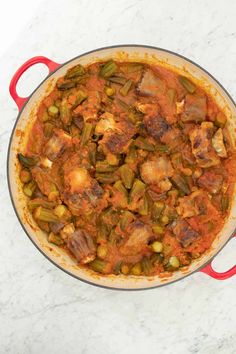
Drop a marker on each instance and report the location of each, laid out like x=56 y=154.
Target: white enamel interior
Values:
x=26 y=118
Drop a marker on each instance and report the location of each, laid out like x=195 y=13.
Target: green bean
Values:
x=124 y=106
x=144 y=207
x=224 y=203
x=132 y=67
x=86 y=133
x=131 y=154
x=220 y=120
x=56 y=239
x=117 y=267
x=157 y=210
x=125 y=89
x=126 y=218
x=81 y=97
x=66 y=85
x=29 y=188
x=171 y=94
x=27 y=161
x=106 y=178
x=44 y=214
x=98 y=265
x=121 y=188
x=34 y=203
x=108 y=69
x=48 y=129
x=147 y=265
x=65 y=113
x=25 y=176
x=77 y=70
x=137 y=190
x=161 y=148
x=127 y=175
x=92 y=153
x=103 y=166
x=102 y=231
x=142 y=143
x=117 y=80
x=53 y=111
x=179 y=181
x=187 y=84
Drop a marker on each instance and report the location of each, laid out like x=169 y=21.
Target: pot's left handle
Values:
x=208 y=269
x=35 y=60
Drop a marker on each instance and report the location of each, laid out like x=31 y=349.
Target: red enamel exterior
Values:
x=20 y=101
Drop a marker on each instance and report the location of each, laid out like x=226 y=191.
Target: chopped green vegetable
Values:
x=44 y=214
x=125 y=89
x=117 y=80
x=56 y=239
x=81 y=97
x=66 y=85
x=180 y=182
x=106 y=178
x=29 y=188
x=136 y=269
x=25 y=176
x=98 y=265
x=161 y=148
x=36 y=202
x=224 y=203
x=53 y=111
x=108 y=69
x=77 y=70
x=137 y=190
x=126 y=218
x=121 y=188
x=171 y=94
x=65 y=113
x=86 y=133
x=130 y=68
x=104 y=166
x=27 y=161
x=142 y=143
x=127 y=175
x=124 y=106
x=144 y=206
x=147 y=265
x=102 y=251
x=48 y=129
x=157 y=210
x=187 y=84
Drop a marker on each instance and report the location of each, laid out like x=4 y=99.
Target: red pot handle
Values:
x=35 y=60
x=219 y=276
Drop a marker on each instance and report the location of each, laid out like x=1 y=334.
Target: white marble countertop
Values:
x=43 y=310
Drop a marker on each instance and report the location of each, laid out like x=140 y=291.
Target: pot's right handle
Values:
x=216 y=275
x=35 y=60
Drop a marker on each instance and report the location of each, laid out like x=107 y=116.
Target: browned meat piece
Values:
x=184 y=233
x=140 y=235
x=81 y=244
x=151 y=85
x=172 y=138
x=153 y=171
x=189 y=206
x=43 y=180
x=56 y=227
x=202 y=147
x=156 y=126
x=187 y=154
x=211 y=181
x=195 y=109
x=57 y=144
x=118 y=139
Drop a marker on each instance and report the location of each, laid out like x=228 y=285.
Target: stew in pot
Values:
x=130 y=167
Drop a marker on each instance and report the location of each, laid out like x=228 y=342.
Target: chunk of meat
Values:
x=105 y=123
x=77 y=180
x=81 y=244
x=153 y=171
x=201 y=145
x=172 y=138
x=188 y=206
x=184 y=233
x=195 y=109
x=57 y=144
x=151 y=84
x=218 y=143
x=211 y=182
x=43 y=180
x=140 y=235
x=89 y=108
x=118 y=140
x=156 y=126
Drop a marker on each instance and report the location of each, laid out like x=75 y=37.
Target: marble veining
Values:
x=43 y=310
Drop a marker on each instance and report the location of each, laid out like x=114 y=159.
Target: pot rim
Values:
x=8 y=166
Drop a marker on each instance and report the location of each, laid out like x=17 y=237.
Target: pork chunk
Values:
x=184 y=233
x=81 y=244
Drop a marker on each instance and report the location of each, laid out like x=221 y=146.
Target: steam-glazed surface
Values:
x=129 y=167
